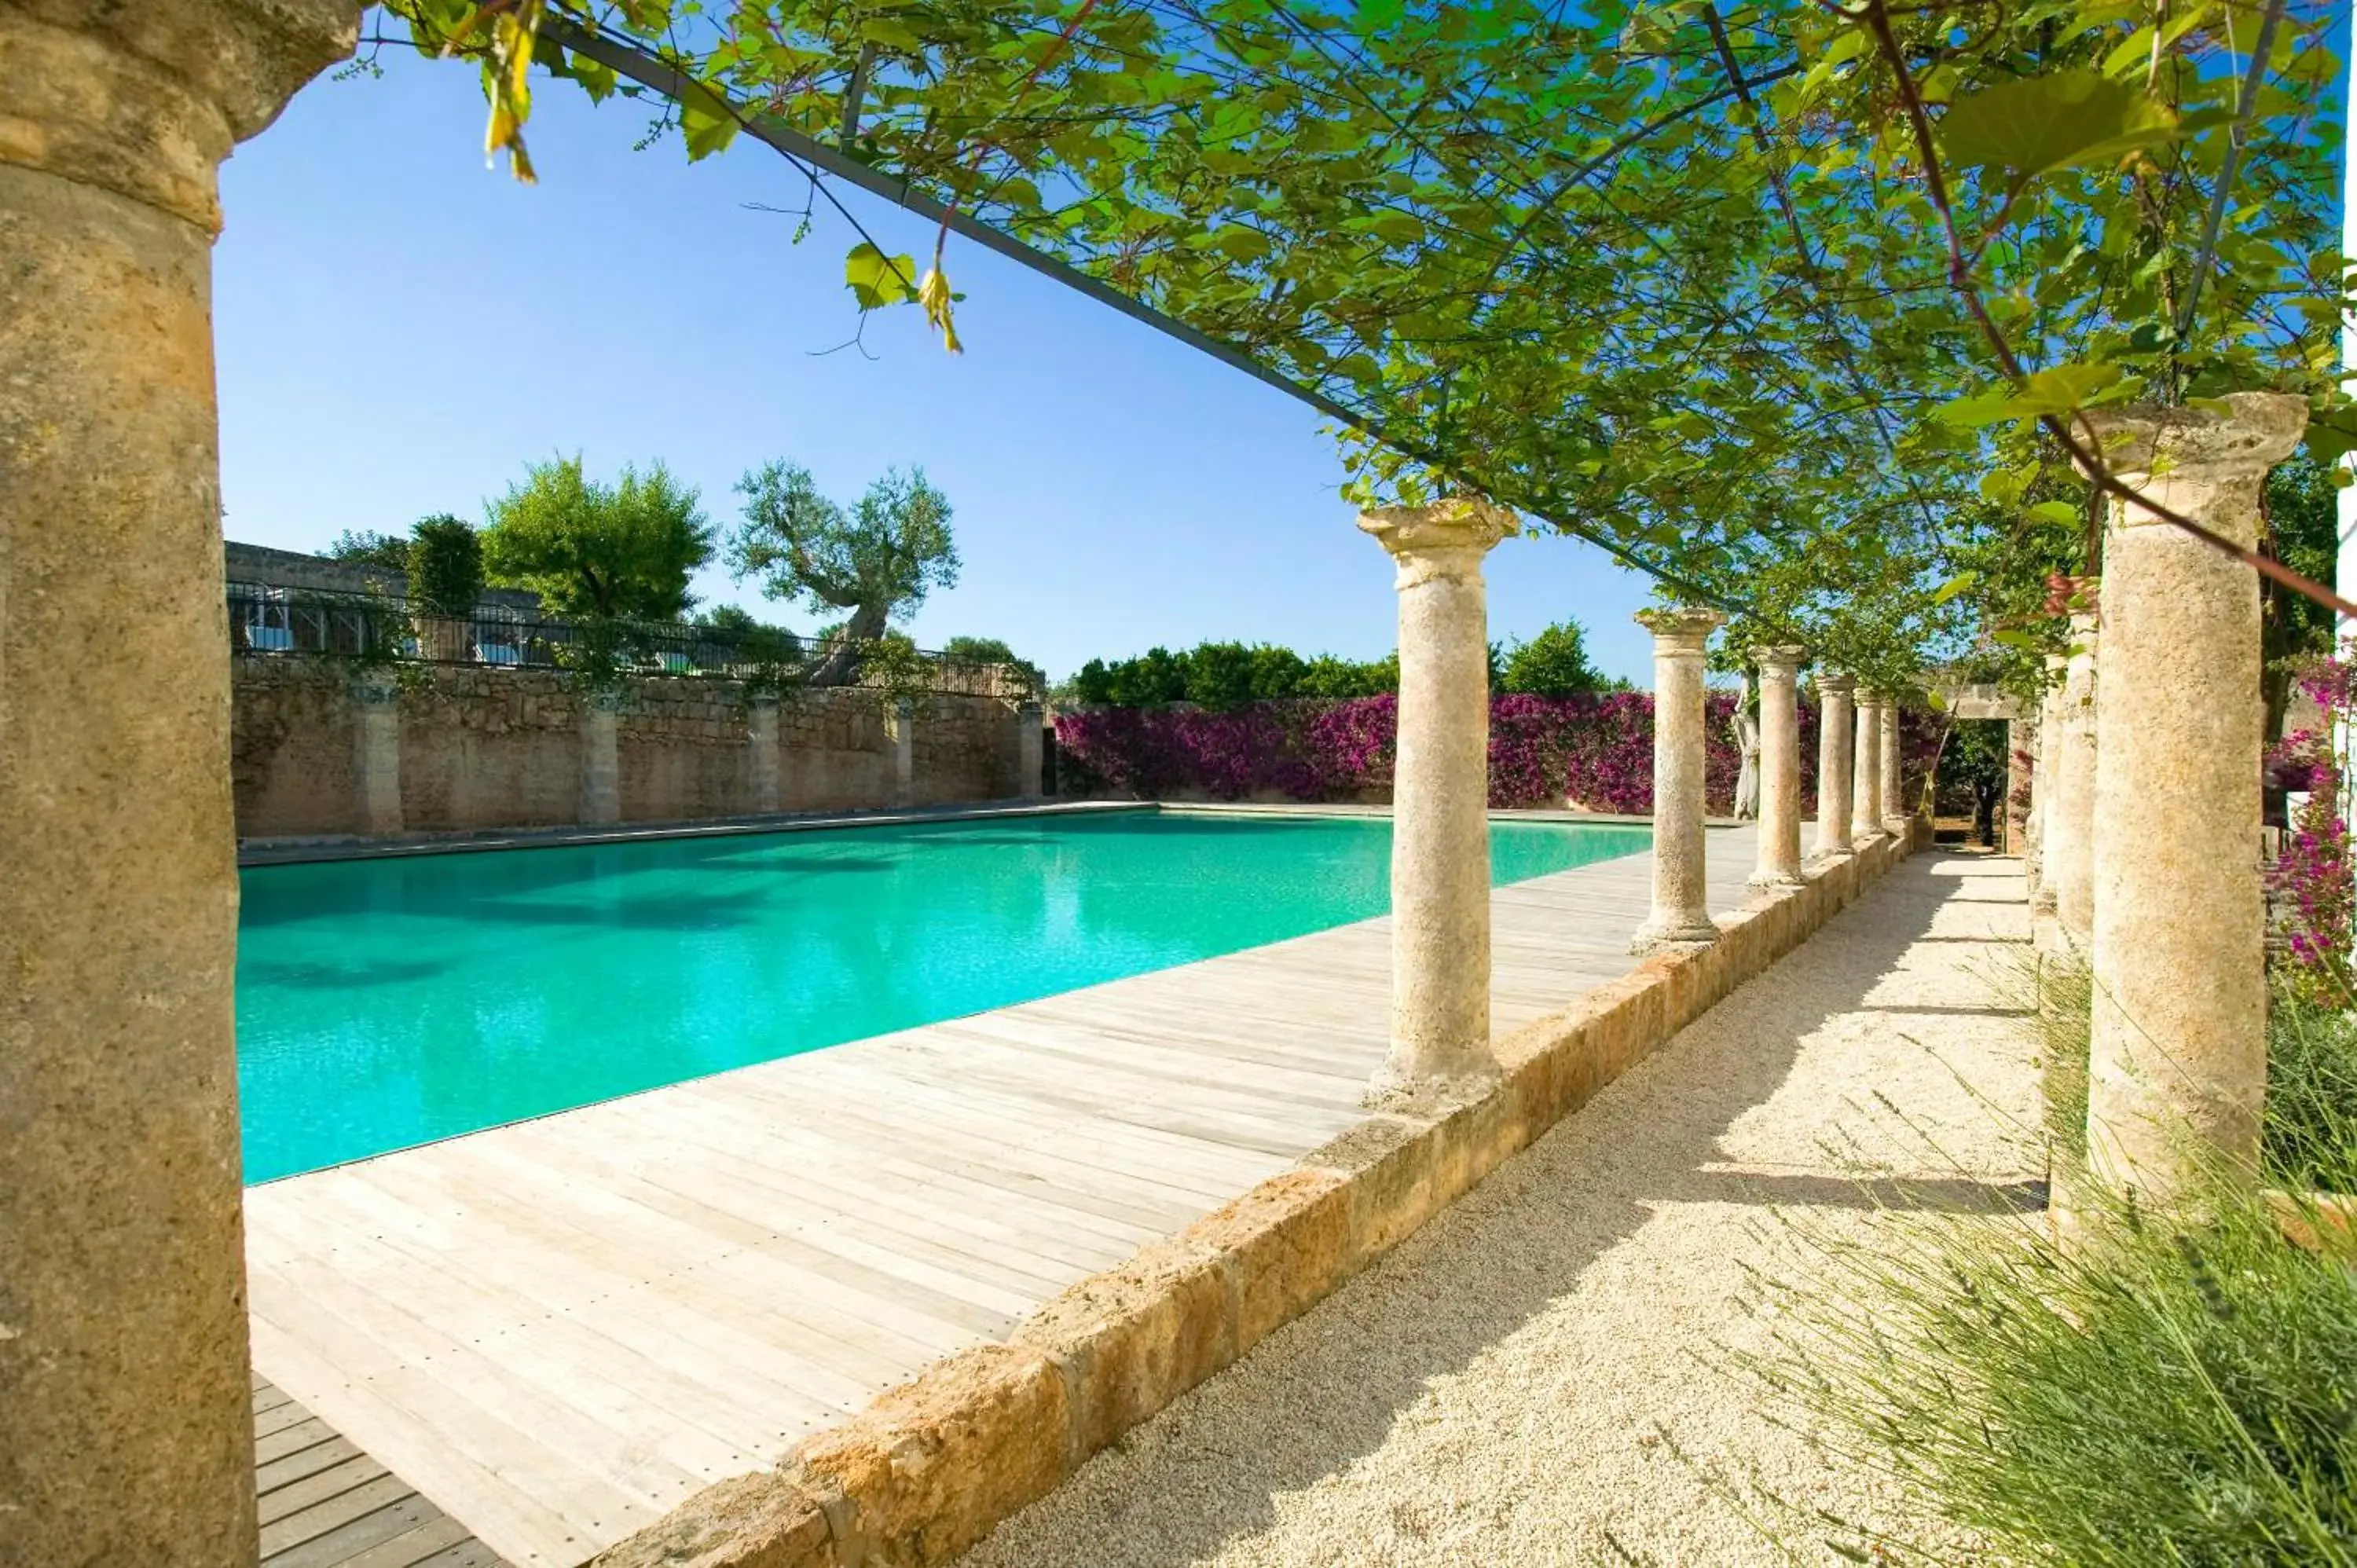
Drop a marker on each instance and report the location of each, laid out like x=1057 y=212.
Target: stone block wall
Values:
x=488 y=748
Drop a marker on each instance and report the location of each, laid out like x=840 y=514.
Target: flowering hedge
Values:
x=1596 y=751
x=2312 y=875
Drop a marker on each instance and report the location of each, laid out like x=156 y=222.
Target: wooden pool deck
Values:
x=558 y=1330
x=325 y=1504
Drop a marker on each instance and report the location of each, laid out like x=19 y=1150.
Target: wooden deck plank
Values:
x=330 y=1506
x=554 y=1327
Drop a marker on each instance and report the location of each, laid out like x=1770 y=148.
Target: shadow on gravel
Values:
x=1327 y=1390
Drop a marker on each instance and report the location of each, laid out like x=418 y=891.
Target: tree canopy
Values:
x=444 y=561
x=1795 y=306
x=879 y=559
x=1554 y=663
x=623 y=551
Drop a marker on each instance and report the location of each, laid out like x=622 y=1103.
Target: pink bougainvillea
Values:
x=2310 y=876
x=1593 y=752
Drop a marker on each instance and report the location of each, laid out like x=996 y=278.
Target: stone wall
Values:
x=485 y=748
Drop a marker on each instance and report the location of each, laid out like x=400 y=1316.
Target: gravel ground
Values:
x=1537 y=1377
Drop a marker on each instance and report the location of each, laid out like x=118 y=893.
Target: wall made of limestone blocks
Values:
x=487 y=749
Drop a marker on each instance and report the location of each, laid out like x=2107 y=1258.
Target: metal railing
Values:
x=296 y=622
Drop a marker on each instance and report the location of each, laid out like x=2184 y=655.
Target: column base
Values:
x=1397 y=1087
x=1678 y=931
x=1773 y=879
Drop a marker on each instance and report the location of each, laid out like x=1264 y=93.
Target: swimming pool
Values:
x=387 y=1002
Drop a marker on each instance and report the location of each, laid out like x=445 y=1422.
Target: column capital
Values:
x=1446 y=538
x=146 y=101
x=2259 y=430
x=605 y=698
x=1679 y=629
x=1783 y=656
x=1835 y=683
x=2192 y=460
x=376 y=688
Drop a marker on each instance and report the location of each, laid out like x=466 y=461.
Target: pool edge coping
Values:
x=931 y=1466
x=297 y=850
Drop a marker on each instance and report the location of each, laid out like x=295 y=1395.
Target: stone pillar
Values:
x=1865 y=778
x=376 y=752
x=2178 y=1055
x=1030 y=743
x=1888 y=776
x=2045 y=783
x=761 y=736
x=601 y=763
x=1680 y=912
x=1780 y=767
x=2070 y=845
x=126 y=1419
x=2020 y=814
x=1440 y=794
x=900 y=729
x=1836 y=761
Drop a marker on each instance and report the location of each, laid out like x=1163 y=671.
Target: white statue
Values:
x=1746 y=727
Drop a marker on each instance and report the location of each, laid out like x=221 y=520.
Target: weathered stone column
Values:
x=2045 y=784
x=2070 y=844
x=900 y=729
x=1030 y=745
x=601 y=760
x=1836 y=761
x=2020 y=814
x=1680 y=912
x=1779 y=766
x=1888 y=777
x=125 y=1419
x=1865 y=778
x=761 y=738
x=1440 y=794
x=376 y=751
x=2178 y=1055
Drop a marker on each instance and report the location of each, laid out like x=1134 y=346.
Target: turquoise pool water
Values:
x=383 y=1004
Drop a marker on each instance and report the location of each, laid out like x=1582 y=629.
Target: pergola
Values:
x=122 y=1336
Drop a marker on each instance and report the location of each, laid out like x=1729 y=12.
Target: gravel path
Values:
x=1529 y=1380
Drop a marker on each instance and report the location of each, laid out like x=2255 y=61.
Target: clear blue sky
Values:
x=401 y=331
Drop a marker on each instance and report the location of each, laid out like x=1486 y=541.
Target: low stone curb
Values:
x=935 y=1465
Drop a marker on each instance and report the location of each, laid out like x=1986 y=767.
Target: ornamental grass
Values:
x=2175 y=1389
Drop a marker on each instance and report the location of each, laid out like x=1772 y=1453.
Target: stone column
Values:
x=761 y=736
x=1836 y=761
x=2020 y=814
x=1030 y=744
x=1865 y=778
x=2045 y=784
x=1888 y=776
x=1779 y=766
x=2071 y=845
x=376 y=752
x=1440 y=794
x=125 y=1419
x=2178 y=1055
x=900 y=729
x=601 y=762
x=1680 y=912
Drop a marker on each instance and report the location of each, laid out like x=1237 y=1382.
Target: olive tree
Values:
x=876 y=560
